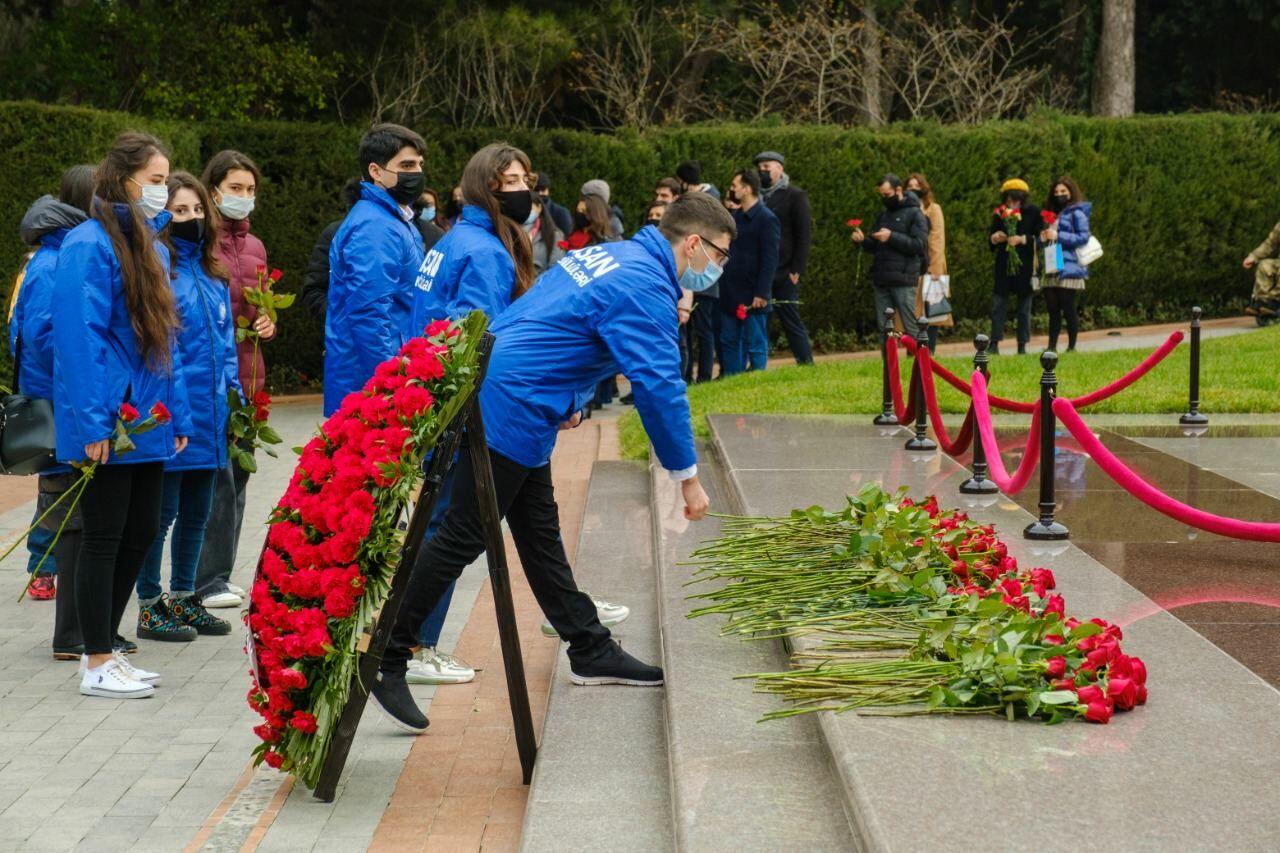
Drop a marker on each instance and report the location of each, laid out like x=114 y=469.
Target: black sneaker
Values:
x=157 y=622
x=615 y=666
x=391 y=694
x=189 y=611
x=120 y=644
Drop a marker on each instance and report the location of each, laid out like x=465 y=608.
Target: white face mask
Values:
x=155 y=197
x=235 y=206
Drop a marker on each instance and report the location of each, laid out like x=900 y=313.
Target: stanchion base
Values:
x=914 y=443
x=978 y=487
x=1196 y=419
x=1039 y=531
x=885 y=420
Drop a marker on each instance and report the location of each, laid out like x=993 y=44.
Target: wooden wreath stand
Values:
x=374 y=644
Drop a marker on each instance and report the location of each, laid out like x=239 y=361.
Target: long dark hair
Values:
x=208 y=260
x=479 y=181
x=215 y=172
x=926 y=191
x=440 y=221
x=147 y=292
x=598 y=226
x=1072 y=187
x=546 y=224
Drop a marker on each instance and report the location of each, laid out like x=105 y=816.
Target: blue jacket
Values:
x=753 y=258
x=603 y=310
x=207 y=344
x=373 y=260
x=1073 y=233
x=33 y=318
x=468 y=269
x=97 y=362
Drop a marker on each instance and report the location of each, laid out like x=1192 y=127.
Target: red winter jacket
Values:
x=241 y=254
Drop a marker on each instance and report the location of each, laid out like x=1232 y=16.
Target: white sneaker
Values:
x=430 y=666
x=236 y=589
x=112 y=682
x=608 y=614
x=137 y=673
x=223 y=599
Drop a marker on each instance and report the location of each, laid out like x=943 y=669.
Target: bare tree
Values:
x=1116 y=76
x=873 y=108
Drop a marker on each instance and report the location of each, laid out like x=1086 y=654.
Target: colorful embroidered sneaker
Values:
x=188 y=610
x=156 y=622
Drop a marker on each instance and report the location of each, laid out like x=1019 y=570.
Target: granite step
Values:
x=1195 y=769
x=735 y=784
x=601 y=781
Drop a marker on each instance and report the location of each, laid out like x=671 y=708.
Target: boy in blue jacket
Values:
x=373 y=262
x=602 y=310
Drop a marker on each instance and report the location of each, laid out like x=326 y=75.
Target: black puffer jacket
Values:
x=903 y=259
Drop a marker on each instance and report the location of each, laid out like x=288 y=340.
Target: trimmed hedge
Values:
x=1178 y=200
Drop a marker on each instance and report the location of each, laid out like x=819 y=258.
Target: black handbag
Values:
x=27 y=443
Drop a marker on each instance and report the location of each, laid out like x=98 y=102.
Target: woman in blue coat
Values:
x=113 y=342
x=1071 y=230
x=207 y=350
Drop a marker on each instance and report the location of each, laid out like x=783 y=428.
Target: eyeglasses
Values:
x=724 y=253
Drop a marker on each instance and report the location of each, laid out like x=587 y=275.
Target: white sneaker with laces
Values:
x=236 y=589
x=112 y=682
x=223 y=599
x=609 y=614
x=430 y=666
x=137 y=673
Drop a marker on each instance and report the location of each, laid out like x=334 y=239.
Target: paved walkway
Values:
x=172 y=773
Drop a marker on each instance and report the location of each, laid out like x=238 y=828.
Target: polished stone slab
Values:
x=1195 y=769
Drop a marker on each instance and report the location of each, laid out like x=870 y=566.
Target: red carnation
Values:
x=1097 y=712
x=161 y=413
x=128 y=413
x=853 y=223
x=270 y=734
x=273 y=759
x=439 y=327
x=1048 y=216
x=742 y=312
x=303 y=722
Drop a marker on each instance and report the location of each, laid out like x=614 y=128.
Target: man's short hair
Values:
x=672 y=184
x=690 y=171
x=696 y=213
x=383 y=141
x=751 y=178
x=544 y=182
x=892 y=180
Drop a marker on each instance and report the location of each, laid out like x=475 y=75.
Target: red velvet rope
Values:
x=963 y=387
x=1149 y=494
x=904 y=413
x=961 y=442
x=1031 y=454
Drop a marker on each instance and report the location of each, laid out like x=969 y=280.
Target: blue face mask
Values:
x=700 y=281
x=427 y=214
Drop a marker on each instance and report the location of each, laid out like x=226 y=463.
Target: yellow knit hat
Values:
x=1015 y=184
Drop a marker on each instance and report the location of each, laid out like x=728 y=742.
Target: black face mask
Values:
x=408 y=187
x=891 y=202
x=579 y=221
x=191 y=230
x=1061 y=201
x=515 y=205
x=766 y=179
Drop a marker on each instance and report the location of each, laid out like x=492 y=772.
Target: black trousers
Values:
x=66 y=622
x=1061 y=301
x=785 y=296
x=120 y=509
x=705 y=322
x=526 y=499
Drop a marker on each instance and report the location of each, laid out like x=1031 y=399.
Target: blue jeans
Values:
x=38 y=543
x=429 y=632
x=188 y=497
x=741 y=340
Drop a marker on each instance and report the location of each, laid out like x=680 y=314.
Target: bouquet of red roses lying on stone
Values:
x=905 y=608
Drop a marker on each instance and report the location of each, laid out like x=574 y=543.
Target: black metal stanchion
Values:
x=978 y=484
x=1193 y=416
x=1047 y=528
x=921 y=441
x=886 y=416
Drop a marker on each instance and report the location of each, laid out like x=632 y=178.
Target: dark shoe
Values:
x=1252 y=308
x=1022 y=349
x=72 y=653
x=43 y=587
x=615 y=666
x=627 y=399
x=391 y=694
x=1268 y=309
x=120 y=644
x=157 y=622
x=189 y=611
x=994 y=349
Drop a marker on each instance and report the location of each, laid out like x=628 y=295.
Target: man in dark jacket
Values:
x=899 y=246
x=791 y=205
x=559 y=213
x=748 y=278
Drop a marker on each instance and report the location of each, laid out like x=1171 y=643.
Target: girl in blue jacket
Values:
x=113 y=342
x=207 y=350
x=1071 y=230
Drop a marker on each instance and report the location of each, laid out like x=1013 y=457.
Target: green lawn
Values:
x=1238 y=374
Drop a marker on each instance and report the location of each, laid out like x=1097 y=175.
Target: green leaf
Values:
x=243 y=321
x=285 y=300
x=1058 y=697
x=1084 y=629
x=268 y=435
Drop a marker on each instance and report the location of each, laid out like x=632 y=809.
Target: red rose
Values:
x=1053 y=639
x=1054 y=604
x=1057 y=667
x=1141 y=694
x=273 y=759
x=960 y=569
x=161 y=413
x=563 y=244
x=275 y=275
x=1123 y=692
x=1089 y=694
x=128 y=413
x=1138 y=670
x=1000 y=550
x=262 y=398
x=303 y=722
x=1011 y=588
x=742 y=312
x=1097 y=712
x=261 y=270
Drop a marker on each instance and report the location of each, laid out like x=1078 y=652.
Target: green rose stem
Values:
x=86 y=474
